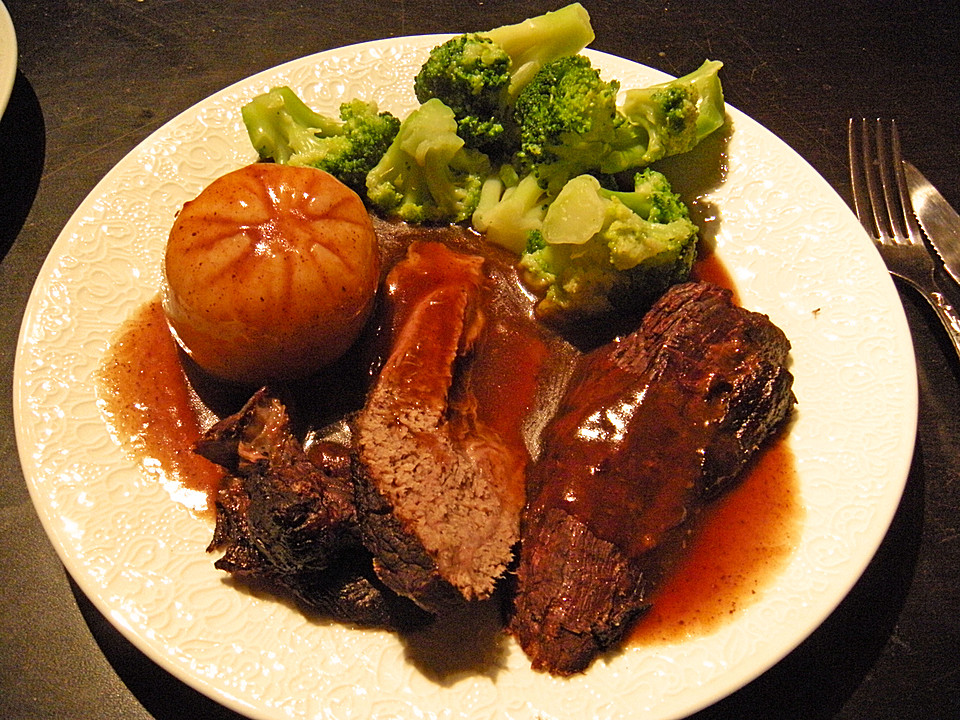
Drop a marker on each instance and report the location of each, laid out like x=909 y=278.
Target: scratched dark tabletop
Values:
x=97 y=76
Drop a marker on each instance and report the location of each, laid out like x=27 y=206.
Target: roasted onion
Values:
x=270 y=273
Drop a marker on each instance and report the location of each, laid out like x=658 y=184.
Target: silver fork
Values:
x=882 y=204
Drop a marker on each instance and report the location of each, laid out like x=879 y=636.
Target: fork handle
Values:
x=948 y=317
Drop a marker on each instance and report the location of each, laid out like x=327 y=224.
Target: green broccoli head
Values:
x=570 y=122
x=598 y=250
x=470 y=74
x=369 y=134
x=667 y=119
x=652 y=197
x=428 y=175
x=284 y=129
x=478 y=75
x=567 y=116
x=659 y=122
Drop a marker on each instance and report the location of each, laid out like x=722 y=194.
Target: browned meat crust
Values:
x=287 y=522
x=651 y=427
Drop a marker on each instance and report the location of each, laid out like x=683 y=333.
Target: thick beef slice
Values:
x=437 y=488
x=650 y=429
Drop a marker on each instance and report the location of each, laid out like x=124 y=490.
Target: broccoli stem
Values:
x=507 y=214
x=533 y=43
x=711 y=110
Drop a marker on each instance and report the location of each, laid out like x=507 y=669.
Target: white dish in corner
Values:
x=794 y=251
x=8 y=57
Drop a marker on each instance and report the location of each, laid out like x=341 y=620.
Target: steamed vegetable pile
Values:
x=518 y=136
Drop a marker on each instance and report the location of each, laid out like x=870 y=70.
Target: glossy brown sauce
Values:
x=148 y=404
x=604 y=480
x=157 y=409
x=709 y=268
x=735 y=551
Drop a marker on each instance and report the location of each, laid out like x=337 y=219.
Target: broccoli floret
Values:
x=536 y=41
x=567 y=117
x=570 y=121
x=479 y=74
x=667 y=119
x=427 y=174
x=599 y=250
x=470 y=74
x=283 y=129
x=652 y=197
x=510 y=208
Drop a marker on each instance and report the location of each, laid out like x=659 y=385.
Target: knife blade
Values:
x=940 y=222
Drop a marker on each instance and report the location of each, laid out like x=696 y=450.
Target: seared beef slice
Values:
x=651 y=427
x=439 y=493
x=286 y=519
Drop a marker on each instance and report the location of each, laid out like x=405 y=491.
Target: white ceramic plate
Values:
x=8 y=57
x=794 y=250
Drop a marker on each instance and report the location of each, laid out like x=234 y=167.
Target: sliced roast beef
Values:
x=440 y=492
x=286 y=520
x=650 y=429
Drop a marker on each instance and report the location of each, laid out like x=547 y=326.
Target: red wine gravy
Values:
x=735 y=550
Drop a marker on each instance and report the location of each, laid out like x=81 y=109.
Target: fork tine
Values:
x=880 y=195
x=906 y=216
x=855 y=154
x=883 y=207
x=892 y=179
x=876 y=171
x=869 y=202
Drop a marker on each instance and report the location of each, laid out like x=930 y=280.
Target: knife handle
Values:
x=948 y=317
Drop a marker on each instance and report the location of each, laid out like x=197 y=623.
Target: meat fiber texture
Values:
x=436 y=487
x=286 y=521
x=651 y=428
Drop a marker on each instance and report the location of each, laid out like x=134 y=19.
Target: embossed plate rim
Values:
x=138 y=555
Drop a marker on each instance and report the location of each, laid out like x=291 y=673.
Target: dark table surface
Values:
x=97 y=76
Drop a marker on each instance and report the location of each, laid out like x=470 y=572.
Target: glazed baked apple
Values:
x=270 y=273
